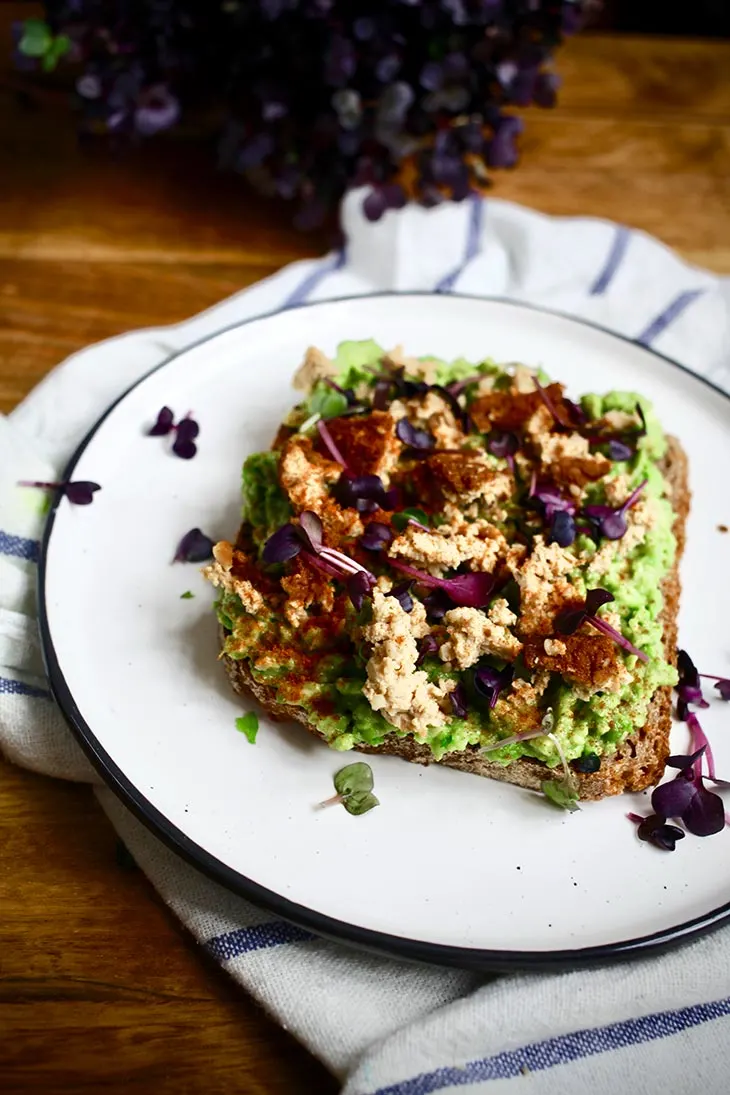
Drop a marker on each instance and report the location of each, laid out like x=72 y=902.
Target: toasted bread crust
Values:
x=637 y=764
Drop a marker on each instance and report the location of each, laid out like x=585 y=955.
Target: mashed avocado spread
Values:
x=303 y=632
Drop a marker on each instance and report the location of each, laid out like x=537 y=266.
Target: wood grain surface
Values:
x=99 y=985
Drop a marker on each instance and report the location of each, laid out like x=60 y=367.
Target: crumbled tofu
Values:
x=589 y=662
x=316 y=366
x=500 y=613
x=425 y=370
x=219 y=573
x=523 y=379
x=306 y=477
x=617 y=421
x=395 y=686
x=368 y=444
x=543 y=589
x=569 y=460
x=468 y=477
x=565 y=446
x=554 y=648
x=478 y=544
x=473 y=633
x=521 y=704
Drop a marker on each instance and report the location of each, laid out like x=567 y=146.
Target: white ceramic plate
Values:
x=450 y=868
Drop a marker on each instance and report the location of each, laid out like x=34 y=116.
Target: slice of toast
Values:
x=638 y=762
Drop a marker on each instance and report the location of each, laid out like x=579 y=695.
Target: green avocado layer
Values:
x=594 y=725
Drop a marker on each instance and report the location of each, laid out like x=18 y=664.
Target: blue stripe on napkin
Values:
x=9 y=687
x=670 y=313
x=310 y=282
x=259 y=937
x=19 y=546
x=471 y=249
x=621 y=238
x=562 y=1050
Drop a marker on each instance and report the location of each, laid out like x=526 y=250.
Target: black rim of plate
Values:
x=268 y=900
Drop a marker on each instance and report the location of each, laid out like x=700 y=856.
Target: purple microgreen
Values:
x=672 y=799
x=468 y=590
x=164 y=423
x=559 y=418
x=428 y=645
x=437 y=604
x=461 y=415
x=456 y=387
x=414 y=437
x=489 y=683
x=503 y=444
x=458 y=701
x=611 y=520
x=347 y=392
x=376 y=536
x=186 y=431
x=551 y=498
x=282 y=545
x=360 y=586
x=344 y=563
x=569 y=620
x=195 y=547
x=365 y=493
x=320 y=564
x=311 y=527
x=402 y=594
x=620 y=450
x=705 y=814
x=382 y=394
x=79 y=493
x=722 y=684
x=701 y=745
x=656 y=831
x=685 y=761
x=562 y=529
x=329 y=443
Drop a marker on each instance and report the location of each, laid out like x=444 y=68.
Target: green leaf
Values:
x=326 y=402
x=360 y=802
x=354 y=778
x=187 y=596
x=248 y=725
x=56 y=50
x=36 y=38
x=400 y=520
x=561 y=793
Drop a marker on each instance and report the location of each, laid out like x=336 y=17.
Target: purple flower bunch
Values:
x=409 y=97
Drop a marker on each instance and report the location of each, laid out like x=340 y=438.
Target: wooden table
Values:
x=98 y=983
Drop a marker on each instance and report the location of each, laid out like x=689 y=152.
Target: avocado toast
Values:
x=455 y=563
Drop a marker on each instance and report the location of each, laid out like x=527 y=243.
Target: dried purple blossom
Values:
x=79 y=493
x=195 y=547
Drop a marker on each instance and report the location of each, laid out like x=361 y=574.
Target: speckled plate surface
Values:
x=450 y=868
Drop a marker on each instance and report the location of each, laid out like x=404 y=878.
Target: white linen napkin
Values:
x=385 y=1027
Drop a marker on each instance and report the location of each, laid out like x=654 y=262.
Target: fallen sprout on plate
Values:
x=354 y=786
x=80 y=493
x=195 y=547
x=186 y=430
x=685 y=798
x=248 y=725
